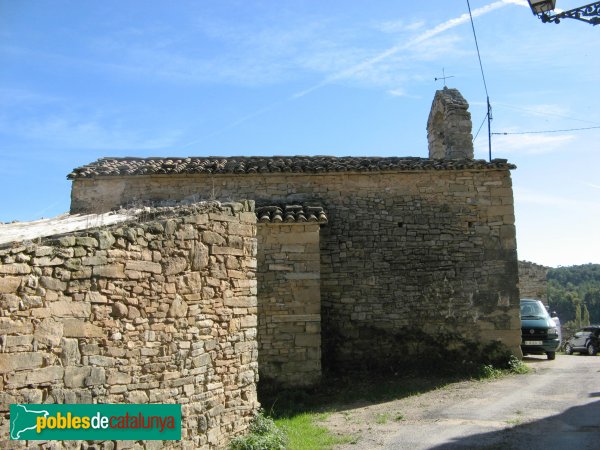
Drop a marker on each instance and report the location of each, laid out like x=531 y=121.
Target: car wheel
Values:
x=551 y=355
x=568 y=349
x=592 y=350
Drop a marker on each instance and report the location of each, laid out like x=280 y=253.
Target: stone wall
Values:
x=289 y=310
x=160 y=310
x=533 y=282
x=432 y=248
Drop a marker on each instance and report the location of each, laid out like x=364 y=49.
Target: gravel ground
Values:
x=555 y=406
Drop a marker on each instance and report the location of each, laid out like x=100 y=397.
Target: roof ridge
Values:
x=136 y=166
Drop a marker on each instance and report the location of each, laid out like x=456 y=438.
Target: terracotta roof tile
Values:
x=272 y=164
x=291 y=214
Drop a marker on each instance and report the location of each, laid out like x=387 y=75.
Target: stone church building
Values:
x=357 y=256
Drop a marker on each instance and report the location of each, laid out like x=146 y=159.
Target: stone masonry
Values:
x=410 y=243
x=161 y=309
x=533 y=282
x=449 y=126
x=289 y=288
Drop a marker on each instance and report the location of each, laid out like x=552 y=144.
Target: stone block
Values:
x=79 y=329
x=45 y=375
x=210 y=237
x=199 y=256
x=70 y=309
x=9 y=326
x=86 y=241
x=201 y=360
x=53 y=284
x=20 y=361
x=96 y=377
x=174 y=266
x=144 y=266
x=74 y=376
x=9 y=301
x=216 y=250
x=178 y=308
x=110 y=271
x=119 y=310
x=105 y=239
x=94 y=260
x=9 y=284
x=102 y=361
x=70 y=355
x=308 y=340
x=14 y=269
x=95 y=297
x=238 y=301
x=137 y=397
x=117 y=377
x=49 y=332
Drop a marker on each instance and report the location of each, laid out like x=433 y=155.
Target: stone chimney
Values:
x=449 y=127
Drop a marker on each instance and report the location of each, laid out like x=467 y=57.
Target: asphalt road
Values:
x=556 y=406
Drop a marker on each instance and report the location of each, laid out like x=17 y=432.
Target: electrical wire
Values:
x=477 y=47
x=480 y=127
x=548 y=131
x=487 y=95
x=545 y=113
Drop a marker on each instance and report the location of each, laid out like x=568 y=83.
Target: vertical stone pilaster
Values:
x=289 y=308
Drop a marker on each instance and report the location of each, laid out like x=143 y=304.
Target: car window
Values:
x=533 y=309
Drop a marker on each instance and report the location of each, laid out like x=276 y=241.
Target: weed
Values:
x=515 y=365
x=382 y=418
x=264 y=435
x=488 y=372
x=399 y=417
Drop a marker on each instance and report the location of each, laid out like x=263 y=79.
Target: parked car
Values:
x=586 y=340
x=539 y=334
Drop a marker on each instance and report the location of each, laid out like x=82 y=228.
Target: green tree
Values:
x=578 y=315
x=586 y=316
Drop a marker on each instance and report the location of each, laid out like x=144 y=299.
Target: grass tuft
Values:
x=264 y=435
x=305 y=433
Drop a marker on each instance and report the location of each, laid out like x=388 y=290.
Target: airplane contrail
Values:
x=438 y=29
x=406 y=45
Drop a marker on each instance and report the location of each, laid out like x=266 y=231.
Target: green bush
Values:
x=263 y=435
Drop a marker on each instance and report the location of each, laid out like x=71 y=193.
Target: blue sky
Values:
x=83 y=80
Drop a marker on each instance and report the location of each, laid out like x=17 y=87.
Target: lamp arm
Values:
x=581 y=13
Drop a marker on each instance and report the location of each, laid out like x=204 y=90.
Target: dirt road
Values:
x=556 y=406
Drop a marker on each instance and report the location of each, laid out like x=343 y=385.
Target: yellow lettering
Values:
x=40 y=423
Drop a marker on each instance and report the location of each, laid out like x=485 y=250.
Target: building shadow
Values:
x=576 y=428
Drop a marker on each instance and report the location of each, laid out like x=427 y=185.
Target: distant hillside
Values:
x=574 y=293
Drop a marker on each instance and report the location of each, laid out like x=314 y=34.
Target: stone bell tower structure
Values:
x=449 y=126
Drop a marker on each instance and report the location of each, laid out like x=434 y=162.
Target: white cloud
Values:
x=399 y=26
x=533 y=197
x=531 y=144
x=86 y=134
x=355 y=71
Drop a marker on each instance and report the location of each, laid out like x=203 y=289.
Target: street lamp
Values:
x=588 y=13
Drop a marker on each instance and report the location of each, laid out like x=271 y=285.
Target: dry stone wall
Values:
x=432 y=248
x=160 y=310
